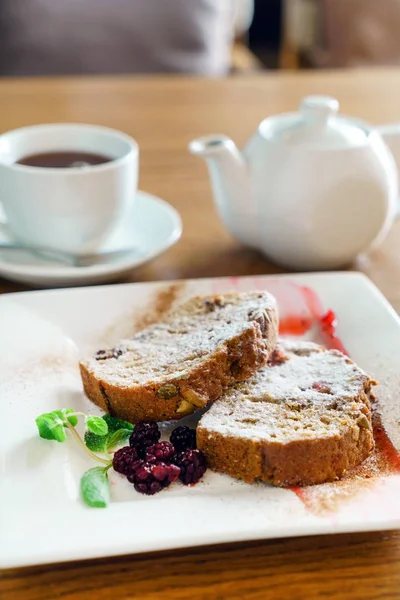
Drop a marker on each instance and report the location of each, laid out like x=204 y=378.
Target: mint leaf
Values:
x=59 y=413
x=63 y=414
x=114 y=424
x=118 y=432
x=95 y=443
x=51 y=427
x=95 y=487
x=117 y=438
x=73 y=420
x=96 y=425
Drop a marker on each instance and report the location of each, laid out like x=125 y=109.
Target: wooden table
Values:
x=164 y=114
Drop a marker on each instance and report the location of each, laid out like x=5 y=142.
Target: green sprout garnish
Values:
x=102 y=434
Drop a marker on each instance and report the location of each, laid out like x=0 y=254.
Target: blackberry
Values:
x=132 y=473
x=125 y=460
x=183 y=438
x=192 y=464
x=163 y=451
x=144 y=435
x=150 y=478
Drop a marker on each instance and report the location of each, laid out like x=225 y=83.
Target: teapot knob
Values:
x=318 y=109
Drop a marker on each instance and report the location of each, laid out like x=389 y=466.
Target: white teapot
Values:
x=311 y=190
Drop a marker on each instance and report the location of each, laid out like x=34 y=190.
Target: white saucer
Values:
x=152 y=227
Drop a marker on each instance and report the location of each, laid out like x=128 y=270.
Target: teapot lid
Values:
x=317 y=124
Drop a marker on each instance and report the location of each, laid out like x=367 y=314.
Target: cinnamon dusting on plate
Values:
x=159 y=304
x=47 y=365
x=382 y=462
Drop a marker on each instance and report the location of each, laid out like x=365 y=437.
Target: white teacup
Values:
x=71 y=209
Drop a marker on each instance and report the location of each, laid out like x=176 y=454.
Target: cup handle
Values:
x=391 y=136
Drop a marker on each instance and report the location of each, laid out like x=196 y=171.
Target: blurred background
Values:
x=206 y=37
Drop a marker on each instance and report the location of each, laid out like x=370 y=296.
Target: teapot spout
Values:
x=230 y=183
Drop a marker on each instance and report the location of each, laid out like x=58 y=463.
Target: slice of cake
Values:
x=303 y=419
x=172 y=368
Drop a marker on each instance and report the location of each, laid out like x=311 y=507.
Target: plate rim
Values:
x=230 y=537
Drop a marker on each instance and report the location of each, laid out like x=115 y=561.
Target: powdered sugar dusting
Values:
x=314 y=393
x=185 y=338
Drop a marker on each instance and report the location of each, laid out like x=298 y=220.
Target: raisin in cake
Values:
x=170 y=369
x=303 y=419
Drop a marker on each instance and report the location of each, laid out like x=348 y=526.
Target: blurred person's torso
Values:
x=50 y=37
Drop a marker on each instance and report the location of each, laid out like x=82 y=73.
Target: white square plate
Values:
x=42 y=518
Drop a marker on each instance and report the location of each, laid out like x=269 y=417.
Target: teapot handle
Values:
x=391 y=136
